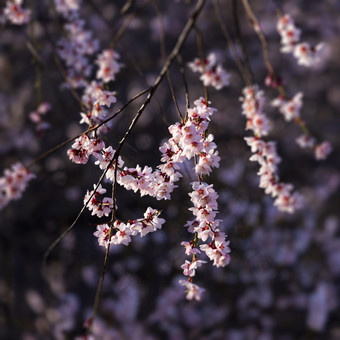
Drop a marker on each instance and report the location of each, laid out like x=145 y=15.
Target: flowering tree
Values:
x=122 y=124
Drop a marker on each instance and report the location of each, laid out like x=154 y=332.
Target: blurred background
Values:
x=283 y=281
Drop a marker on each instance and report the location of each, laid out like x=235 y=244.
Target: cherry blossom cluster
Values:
x=97 y=99
x=122 y=232
x=191 y=140
x=13 y=183
x=97 y=102
x=15 y=13
x=75 y=49
x=77 y=46
x=158 y=183
x=205 y=227
x=37 y=117
x=265 y=153
x=98 y=207
x=212 y=74
x=252 y=109
x=83 y=147
x=305 y=54
x=188 y=140
x=108 y=65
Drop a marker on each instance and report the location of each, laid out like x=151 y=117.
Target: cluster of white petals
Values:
x=322 y=150
x=75 y=49
x=265 y=154
x=108 y=65
x=13 y=183
x=212 y=74
x=305 y=141
x=15 y=13
x=289 y=108
x=305 y=54
x=193 y=291
x=97 y=100
x=205 y=225
x=99 y=207
x=77 y=45
x=252 y=109
x=191 y=140
x=83 y=147
x=121 y=232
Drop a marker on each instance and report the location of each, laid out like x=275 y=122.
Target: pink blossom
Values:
x=103 y=234
x=323 y=150
x=13 y=183
x=108 y=65
x=305 y=141
x=211 y=74
x=15 y=13
x=193 y=291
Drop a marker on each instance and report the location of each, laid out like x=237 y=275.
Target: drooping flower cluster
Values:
x=305 y=54
x=191 y=140
x=15 y=13
x=13 y=183
x=37 y=117
x=252 y=109
x=265 y=153
x=205 y=224
x=77 y=46
x=212 y=74
x=122 y=232
x=75 y=50
x=205 y=227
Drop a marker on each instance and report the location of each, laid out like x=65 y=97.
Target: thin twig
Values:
x=254 y=22
x=200 y=49
x=163 y=52
x=182 y=71
x=126 y=24
x=240 y=42
x=230 y=43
